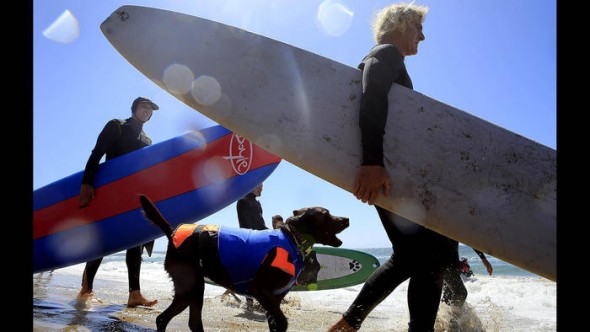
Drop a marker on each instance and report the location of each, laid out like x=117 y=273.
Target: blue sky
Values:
x=495 y=59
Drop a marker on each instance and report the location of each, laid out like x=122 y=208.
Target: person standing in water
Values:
x=419 y=254
x=117 y=138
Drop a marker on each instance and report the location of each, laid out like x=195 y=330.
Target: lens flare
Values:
x=206 y=90
x=195 y=137
x=65 y=29
x=334 y=18
x=212 y=173
x=178 y=78
x=78 y=242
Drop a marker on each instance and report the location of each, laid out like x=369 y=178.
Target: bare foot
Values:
x=85 y=297
x=83 y=300
x=341 y=326
x=135 y=299
x=86 y=293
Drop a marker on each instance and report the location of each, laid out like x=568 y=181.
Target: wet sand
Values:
x=55 y=307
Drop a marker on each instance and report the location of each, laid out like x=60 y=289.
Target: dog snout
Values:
x=343 y=222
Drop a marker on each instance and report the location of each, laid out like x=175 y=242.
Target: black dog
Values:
x=231 y=257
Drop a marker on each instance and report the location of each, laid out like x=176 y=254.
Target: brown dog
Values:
x=262 y=264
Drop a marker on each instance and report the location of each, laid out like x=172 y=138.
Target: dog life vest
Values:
x=242 y=252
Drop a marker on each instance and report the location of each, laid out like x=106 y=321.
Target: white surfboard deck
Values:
x=452 y=172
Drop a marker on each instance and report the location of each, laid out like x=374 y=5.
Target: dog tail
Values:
x=151 y=212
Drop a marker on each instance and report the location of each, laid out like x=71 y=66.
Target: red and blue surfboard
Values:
x=189 y=177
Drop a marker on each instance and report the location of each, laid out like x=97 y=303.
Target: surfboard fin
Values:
x=149 y=247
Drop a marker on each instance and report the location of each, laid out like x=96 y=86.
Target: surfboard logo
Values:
x=123 y=15
x=240 y=154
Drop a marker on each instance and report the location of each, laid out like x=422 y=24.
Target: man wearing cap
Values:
x=117 y=138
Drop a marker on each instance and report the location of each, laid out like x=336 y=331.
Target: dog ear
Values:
x=292 y=219
x=299 y=212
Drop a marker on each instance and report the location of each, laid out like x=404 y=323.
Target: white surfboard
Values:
x=452 y=172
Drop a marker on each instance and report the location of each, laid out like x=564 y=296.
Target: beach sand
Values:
x=494 y=304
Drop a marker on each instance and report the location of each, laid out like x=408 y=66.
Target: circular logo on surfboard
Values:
x=240 y=154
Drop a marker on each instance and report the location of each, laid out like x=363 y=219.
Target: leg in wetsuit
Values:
x=454 y=291
x=133 y=261
x=89 y=273
x=420 y=255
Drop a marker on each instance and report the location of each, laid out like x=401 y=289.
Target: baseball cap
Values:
x=138 y=100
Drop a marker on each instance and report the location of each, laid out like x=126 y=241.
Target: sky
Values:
x=495 y=59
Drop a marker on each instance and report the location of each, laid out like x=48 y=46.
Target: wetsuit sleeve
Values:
x=380 y=69
x=107 y=137
x=479 y=253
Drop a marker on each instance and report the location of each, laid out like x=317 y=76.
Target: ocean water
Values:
x=511 y=299
x=500 y=267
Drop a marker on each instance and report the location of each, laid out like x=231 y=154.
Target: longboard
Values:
x=189 y=177
x=452 y=172
x=338 y=268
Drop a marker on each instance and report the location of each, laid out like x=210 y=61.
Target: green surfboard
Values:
x=338 y=267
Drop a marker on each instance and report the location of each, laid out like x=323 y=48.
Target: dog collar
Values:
x=304 y=242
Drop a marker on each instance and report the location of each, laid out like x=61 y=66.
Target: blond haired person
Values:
x=419 y=254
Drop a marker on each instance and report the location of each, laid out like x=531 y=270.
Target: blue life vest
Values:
x=242 y=252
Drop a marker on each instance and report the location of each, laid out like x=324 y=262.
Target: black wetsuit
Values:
x=419 y=254
x=454 y=291
x=116 y=138
x=250 y=213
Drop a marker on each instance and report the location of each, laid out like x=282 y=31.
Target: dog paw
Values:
x=354 y=265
